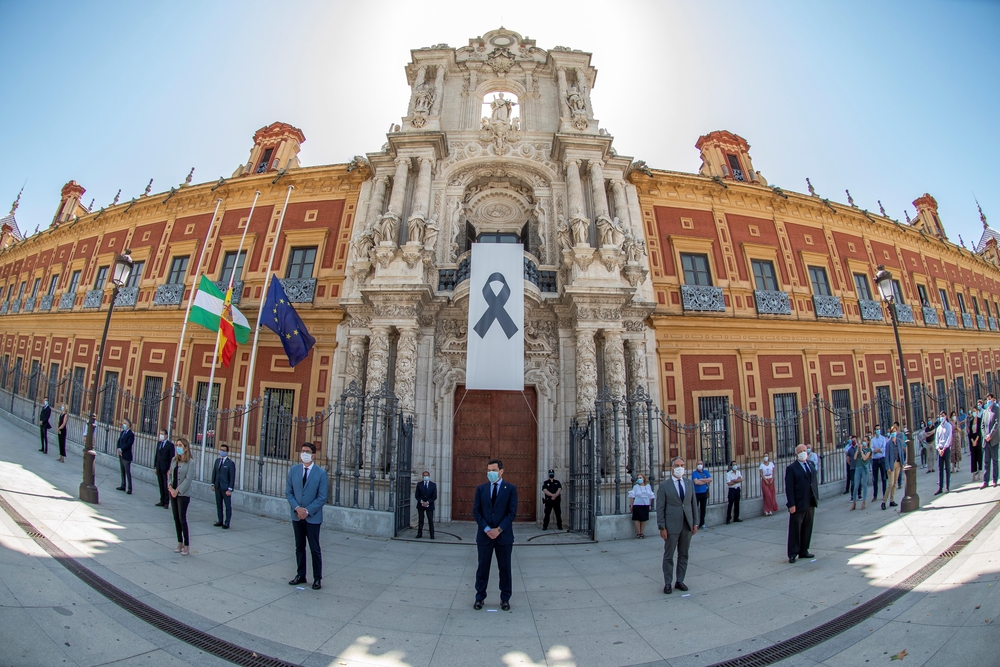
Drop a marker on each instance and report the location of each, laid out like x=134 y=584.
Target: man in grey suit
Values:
x=675 y=517
x=991 y=439
x=306 y=489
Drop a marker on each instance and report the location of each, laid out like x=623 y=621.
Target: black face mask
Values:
x=552 y=476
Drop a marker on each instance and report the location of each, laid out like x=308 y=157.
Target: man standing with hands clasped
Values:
x=223 y=479
x=676 y=519
x=990 y=427
x=802 y=495
x=161 y=464
x=125 y=442
x=426 y=494
x=43 y=425
x=494 y=509
x=306 y=489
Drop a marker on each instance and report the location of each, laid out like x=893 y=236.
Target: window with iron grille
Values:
x=883 y=397
x=864 y=289
x=17 y=375
x=734 y=164
x=786 y=423
x=301 y=262
x=178 y=269
x=265 y=160
x=76 y=390
x=975 y=305
x=232 y=264
x=976 y=387
x=53 y=382
x=961 y=302
x=897 y=291
x=109 y=394
x=198 y=414
x=696 y=269
x=942 y=396
x=842 y=427
x=820 y=284
x=151 y=394
x=713 y=427
x=922 y=292
x=764 y=275
x=960 y=391
x=917 y=405
x=34 y=288
x=3 y=371
x=36 y=371
x=276 y=429
x=52 y=284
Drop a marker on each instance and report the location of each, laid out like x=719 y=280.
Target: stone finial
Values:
x=961 y=241
x=850 y=199
x=907 y=214
x=149 y=187
x=17 y=202
x=982 y=216
x=812 y=190
x=91 y=207
x=881 y=209
x=117 y=197
x=187 y=181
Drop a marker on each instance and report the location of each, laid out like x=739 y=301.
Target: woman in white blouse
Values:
x=639 y=499
x=767 y=486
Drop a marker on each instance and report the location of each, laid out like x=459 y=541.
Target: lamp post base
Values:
x=88 y=487
x=911 y=501
x=89 y=494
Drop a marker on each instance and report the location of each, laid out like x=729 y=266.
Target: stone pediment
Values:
x=501 y=50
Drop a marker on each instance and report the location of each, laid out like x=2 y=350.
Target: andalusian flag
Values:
x=214 y=310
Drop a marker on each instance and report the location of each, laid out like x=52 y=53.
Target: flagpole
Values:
x=256 y=336
x=180 y=344
x=215 y=356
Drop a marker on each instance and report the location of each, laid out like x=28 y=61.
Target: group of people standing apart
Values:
x=45 y=425
x=875 y=458
x=974 y=432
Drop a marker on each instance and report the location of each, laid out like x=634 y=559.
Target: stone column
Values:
x=621 y=203
x=581 y=85
x=586 y=372
x=355 y=360
x=614 y=362
x=421 y=76
x=399 y=187
x=378 y=358
x=563 y=91
x=438 y=91
x=635 y=356
x=406 y=369
x=421 y=200
x=377 y=200
x=599 y=192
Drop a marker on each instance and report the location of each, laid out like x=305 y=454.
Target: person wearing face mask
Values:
x=494 y=509
x=975 y=420
x=879 y=471
x=991 y=439
x=675 y=512
x=702 y=479
x=552 y=499
x=161 y=464
x=179 y=476
x=223 y=480
x=802 y=499
x=894 y=464
x=43 y=425
x=956 y=434
x=767 y=488
x=852 y=445
x=929 y=431
x=639 y=499
x=734 y=482
x=425 y=495
x=306 y=489
x=862 y=473
x=125 y=442
x=942 y=445
x=61 y=432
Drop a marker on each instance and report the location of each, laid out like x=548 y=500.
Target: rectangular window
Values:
x=76 y=391
x=960 y=390
x=36 y=371
x=199 y=414
x=20 y=292
x=986 y=307
x=885 y=408
x=786 y=424
x=696 y=269
x=961 y=302
x=74 y=282
x=109 y=394
x=764 y=276
x=34 y=288
x=864 y=289
x=897 y=291
x=944 y=299
x=135 y=277
x=841 y=415
x=301 y=262
x=976 y=387
x=713 y=427
x=915 y=401
x=975 y=305
x=265 y=160
x=942 y=396
x=178 y=269
x=922 y=292
x=52 y=284
x=278 y=414
x=232 y=264
x=17 y=375
x=151 y=397
x=734 y=164
x=102 y=277
x=820 y=285
x=53 y=382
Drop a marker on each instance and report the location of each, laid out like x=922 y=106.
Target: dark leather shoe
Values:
x=161 y=505
x=420 y=536
x=129 y=492
x=225 y=526
x=317 y=585
x=791 y=559
x=667 y=589
x=217 y=524
x=296 y=581
x=681 y=586
x=119 y=488
x=938 y=492
x=806 y=555
x=883 y=505
x=432 y=536
x=477 y=605
x=985 y=484
x=505 y=606
x=893 y=504
x=737 y=520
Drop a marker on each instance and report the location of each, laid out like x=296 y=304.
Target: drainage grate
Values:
x=200 y=640
x=807 y=640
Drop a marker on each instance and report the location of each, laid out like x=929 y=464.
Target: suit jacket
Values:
x=495 y=515
x=125 y=442
x=184 y=477
x=163 y=456
x=43 y=417
x=893 y=452
x=975 y=430
x=430 y=495
x=224 y=474
x=671 y=512
x=801 y=488
x=312 y=496
x=991 y=435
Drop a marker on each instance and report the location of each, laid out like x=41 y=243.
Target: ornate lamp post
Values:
x=911 y=501
x=119 y=276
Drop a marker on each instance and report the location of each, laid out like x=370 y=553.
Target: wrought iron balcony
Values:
x=738 y=175
x=993 y=324
x=545 y=281
x=871 y=310
x=299 y=290
x=170 y=294
x=702 y=298
x=223 y=285
x=67 y=301
x=446 y=280
x=15 y=306
x=127 y=296
x=930 y=316
x=950 y=318
x=967 y=320
x=828 y=306
x=29 y=304
x=981 y=322
x=772 y=302
x=4 y=307
x=93 y=299
x=904 y=313
x=46 y=304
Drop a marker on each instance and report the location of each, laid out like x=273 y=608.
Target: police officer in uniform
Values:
x=552 y=499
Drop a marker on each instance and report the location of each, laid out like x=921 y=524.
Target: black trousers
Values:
x=849 y=487
x=179 y=506
x=421 y=511
x=45 y=438
x=161 y=481
x=221 y=499
x=126 y=468
x=976 y=454
x=944 y=469
x=733 y=508
x=503 y=552
x=553 y=506
x=702 y=499
x=800 y=530
x=307 y=531
x=879 y=472
x=62 y=444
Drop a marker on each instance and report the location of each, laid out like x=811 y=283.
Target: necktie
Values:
x=305 y=475
x=493 y=498
x=426 y=485
x=680 y=490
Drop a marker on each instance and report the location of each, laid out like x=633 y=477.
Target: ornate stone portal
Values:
x=535 y=167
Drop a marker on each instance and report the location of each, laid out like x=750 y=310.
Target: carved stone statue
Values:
x=364 y=244
x=563 y=235
x=431 y=230
x=633 y=247
x=581 y=231
x=610 y=232
x=386 y=229
x=423 y=98
x=575 y=100
x=415 y=229
x=502 y=108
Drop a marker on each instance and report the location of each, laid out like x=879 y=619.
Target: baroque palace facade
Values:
x=709 y=289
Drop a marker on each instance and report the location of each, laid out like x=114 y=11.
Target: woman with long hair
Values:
x=767 y=487
x=61 y=432
x=178 y=485
x=976 y=441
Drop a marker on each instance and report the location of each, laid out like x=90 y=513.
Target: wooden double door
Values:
x=494 y=425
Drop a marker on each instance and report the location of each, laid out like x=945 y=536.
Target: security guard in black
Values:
x=552 y=499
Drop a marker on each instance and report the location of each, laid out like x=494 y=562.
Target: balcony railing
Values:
x=170 y=294
x=29 y=304
x=871 y=310
x=223 y=285
x=967 y=321
x=702 y=298
x=930 y=316
x=299 y=290
x=67 y=300
x=15 y=306
x=904 y=313
x=545 y=281
x=950 y=318
x=93 y=299
x=993 y=324
x=127 y=296
x=981 y=322
x=828 y=306
x=4 y=307
x=772 y=302
x=46 y=304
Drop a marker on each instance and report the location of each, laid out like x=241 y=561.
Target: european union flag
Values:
x=280 y=317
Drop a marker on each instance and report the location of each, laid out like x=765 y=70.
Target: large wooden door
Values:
x=494 y=425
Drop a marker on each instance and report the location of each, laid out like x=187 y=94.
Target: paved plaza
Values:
x=402 y=603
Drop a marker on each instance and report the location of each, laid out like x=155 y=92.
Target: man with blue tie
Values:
x=125 y=441
x=306 y=489
x=426 y=494
x=494 y=509
x=802 y=496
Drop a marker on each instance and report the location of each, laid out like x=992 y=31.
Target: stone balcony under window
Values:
x=67 y=301
x=950 y=318
x=93 y=299
x=828 y=306
x=772 y=302
x=981 y=322
x=702 y=298
x=299 y=290
x=127 y=296
x=170 y=294
x=904 y=313
x=15 y=306
x=223 y=286
x=993 y=324
x=930 y=316
x=29 y=304
x=871 y=310
x=46 y=303
x=967 y=320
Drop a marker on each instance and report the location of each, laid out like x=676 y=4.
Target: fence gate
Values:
x=404 y=458
x=582 y=478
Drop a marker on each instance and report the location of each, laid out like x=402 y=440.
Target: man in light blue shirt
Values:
x=879 y=442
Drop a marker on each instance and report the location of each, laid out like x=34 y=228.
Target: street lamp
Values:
x=119 y=276
x=911 y=501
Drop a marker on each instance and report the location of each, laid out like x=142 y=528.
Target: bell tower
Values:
x=927 y=219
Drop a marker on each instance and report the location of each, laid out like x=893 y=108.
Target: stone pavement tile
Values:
x=26 y=644
x=294 y=629
x=921 y=642
x=816 y=584
x=647 y=591
x=253 y=587
x=684 y=640
x=762 y=623
x=355 y=645
x=161 y=658
x=34 y=584
x=399 y=593
x=621 y=646
x=390 y=616
x=491 y=648
x=332 y=610
x=969 y=646
x=577 y=621
x=87 y=631
x=555 y=599
x=211 y=602
x=740 y=596
x=662 y=612
x=155 y=578
x=946 y=605
x=490 y=621
x=430 y=582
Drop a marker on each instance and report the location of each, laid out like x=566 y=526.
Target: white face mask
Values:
x=162 y=437
x=426 y=478
x=802 y=456
x=700 y=467
x=306 y=457
x=766 y=459
x=679 y=472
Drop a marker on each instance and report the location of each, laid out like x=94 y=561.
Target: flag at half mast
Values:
x=214 y=310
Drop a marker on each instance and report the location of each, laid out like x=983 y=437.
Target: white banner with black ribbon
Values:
x=495 y=349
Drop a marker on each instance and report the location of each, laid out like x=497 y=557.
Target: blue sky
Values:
x=887 y=99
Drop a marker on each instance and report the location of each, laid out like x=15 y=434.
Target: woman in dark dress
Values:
x=61 y=432
x=976 y=441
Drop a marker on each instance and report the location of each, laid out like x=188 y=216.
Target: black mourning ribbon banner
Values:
x=495 y=312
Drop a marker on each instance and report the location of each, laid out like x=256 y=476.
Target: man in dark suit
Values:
x=990 y=427
x=223 y=479
x=426 y=494
x=306 y=489
x=43 y=425
x=675 y=517
x=802 y=496
x=494 y=509
x=125 y=441
x=161 y=464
